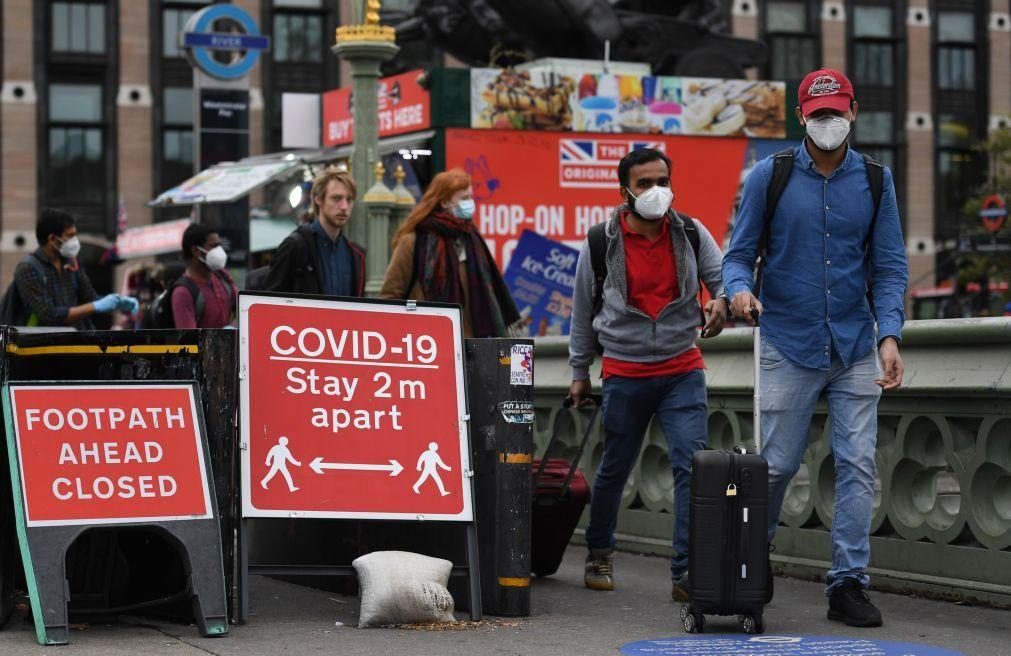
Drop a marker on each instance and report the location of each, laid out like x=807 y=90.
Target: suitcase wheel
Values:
x=694 y=622
x=753 y=623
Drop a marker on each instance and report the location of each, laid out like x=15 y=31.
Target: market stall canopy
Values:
x=154 y=239
x=229 y=181
x=267 y=233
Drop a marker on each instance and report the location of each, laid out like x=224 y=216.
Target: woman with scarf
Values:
x=438 y=255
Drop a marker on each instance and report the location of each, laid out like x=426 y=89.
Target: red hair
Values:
x=441 y=189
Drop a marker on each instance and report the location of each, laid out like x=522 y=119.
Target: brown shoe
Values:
x=680 y=591
x=599 y=571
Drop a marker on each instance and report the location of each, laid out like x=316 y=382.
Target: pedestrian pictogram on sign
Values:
x=109 y=454
x=352 y=409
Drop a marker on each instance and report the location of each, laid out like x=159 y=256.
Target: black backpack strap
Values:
x=782 y=168
x=198 y=298
x=598 y=259
x=220 y=275
x=308 y=256
x=693 y=235
x=876 y=180
x=695 y=239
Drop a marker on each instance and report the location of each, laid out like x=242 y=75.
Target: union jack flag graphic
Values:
x=593 y=163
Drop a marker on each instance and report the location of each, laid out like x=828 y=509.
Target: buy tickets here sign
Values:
x=105 y=454
x=353 y=410
x=402 y=103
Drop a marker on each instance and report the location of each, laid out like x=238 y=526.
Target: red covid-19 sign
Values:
x=107 y=454
x=352 y=409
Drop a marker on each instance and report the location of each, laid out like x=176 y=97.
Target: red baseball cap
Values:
x=823 y=88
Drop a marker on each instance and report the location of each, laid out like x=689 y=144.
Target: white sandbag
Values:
x=399 y=587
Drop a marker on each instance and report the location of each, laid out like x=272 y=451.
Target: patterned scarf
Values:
x=436 y=267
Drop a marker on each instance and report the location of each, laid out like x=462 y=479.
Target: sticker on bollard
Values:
x=86 y=455
x=779 y=645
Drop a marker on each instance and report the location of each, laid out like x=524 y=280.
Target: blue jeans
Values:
x=629 y=403
x=789 y=395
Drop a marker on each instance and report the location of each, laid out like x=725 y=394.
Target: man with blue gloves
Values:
x=53 y=288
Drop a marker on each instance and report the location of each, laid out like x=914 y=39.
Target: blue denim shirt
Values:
x=815 y=281
x=335 y=262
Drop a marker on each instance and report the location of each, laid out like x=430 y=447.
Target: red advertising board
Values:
x=403 y=107
x=353 y=410
x=560 y=184
x=109 y=454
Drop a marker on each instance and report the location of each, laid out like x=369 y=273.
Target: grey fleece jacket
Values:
x=626 y=332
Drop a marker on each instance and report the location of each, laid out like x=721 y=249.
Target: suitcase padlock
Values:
x=731 y=490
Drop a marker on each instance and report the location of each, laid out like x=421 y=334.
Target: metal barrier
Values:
x=942 y=519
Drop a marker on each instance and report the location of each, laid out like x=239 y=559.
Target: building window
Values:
x=76 y=149
x=298 y=38
x=173 y=20
x=78 y=27
x=177 y=135
x=299 y=60
x=792 y=33
x=960 y=106
x=956 y=50
x=876 y=47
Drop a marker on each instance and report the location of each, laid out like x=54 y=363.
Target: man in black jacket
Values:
x=318 y=258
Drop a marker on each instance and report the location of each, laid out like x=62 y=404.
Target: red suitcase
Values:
x=560 y=495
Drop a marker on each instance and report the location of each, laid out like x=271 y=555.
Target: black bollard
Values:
x=500 y=398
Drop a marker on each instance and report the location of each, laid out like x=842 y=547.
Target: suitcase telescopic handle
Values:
x=597 y=402
x=756 y=413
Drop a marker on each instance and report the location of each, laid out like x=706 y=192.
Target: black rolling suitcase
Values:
x=728 y=541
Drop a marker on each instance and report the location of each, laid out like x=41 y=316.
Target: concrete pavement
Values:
x=566 y=619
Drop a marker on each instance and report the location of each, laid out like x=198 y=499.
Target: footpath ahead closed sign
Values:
x=109 y=454
x=352 y=410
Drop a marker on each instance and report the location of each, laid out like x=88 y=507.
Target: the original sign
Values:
x=779 y=645
x=108 y=454
x=353 y=410
x=403 y=107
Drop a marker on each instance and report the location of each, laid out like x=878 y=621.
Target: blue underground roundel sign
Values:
x=201 y=41
x=778 y=645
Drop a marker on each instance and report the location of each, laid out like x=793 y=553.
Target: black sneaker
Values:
x=679 y=590
x=849 y=603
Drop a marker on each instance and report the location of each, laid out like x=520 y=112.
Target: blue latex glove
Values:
x=127 y=304
x=107 y=303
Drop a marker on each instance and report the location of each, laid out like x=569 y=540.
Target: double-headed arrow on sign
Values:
x=319 y=466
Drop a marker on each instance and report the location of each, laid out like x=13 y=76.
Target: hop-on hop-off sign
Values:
x=352 y=410
x=109 y=454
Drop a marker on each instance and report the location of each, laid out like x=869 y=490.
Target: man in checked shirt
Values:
x=53 y=287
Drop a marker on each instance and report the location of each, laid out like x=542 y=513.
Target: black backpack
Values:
x=782 y=167
x=159 y=315
x=257 y=278
x=598 y=257
x=13 y=309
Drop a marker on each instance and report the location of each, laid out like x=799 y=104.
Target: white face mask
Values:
x=215 y=258
x=828 y=132
x=70 y=248
x=464 y=209
x=652 y=203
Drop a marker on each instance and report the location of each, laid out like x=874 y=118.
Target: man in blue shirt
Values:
x=818 y=332
x=318 y=258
